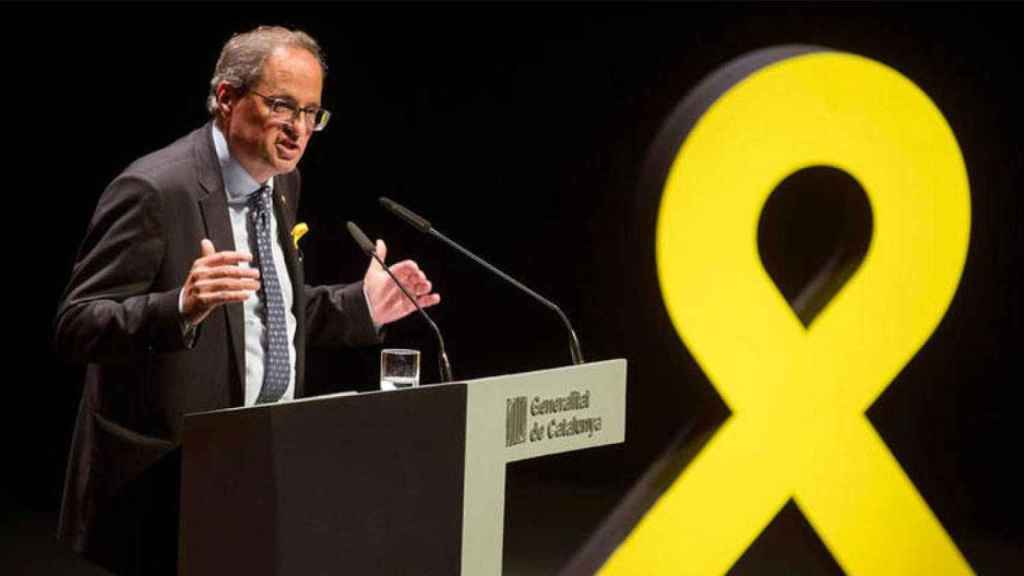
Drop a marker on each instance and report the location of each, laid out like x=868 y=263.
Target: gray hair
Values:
x=241 y=60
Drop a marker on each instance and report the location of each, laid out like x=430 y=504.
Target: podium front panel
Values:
x=365 y=484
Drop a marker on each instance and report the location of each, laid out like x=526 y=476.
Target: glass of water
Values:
x=399 y=368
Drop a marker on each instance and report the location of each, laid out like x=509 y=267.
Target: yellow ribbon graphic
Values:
x=798 y=395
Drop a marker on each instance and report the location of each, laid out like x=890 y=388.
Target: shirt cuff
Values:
x=376 y=326
x=188 y=330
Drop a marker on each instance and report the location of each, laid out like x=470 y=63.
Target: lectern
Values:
x=409 y=481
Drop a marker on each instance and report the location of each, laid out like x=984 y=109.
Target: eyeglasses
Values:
x=284 y=110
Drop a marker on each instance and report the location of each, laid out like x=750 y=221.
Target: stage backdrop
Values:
x=528 y=133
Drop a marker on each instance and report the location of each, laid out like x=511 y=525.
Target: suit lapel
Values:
x=285 y=211
x=213 y=206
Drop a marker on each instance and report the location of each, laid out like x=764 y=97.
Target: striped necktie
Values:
x=276 y=364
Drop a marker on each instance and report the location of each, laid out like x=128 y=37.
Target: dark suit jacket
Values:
x=120 y=315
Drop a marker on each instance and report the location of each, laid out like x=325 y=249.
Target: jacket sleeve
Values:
x=338 y=315
x=109 y=312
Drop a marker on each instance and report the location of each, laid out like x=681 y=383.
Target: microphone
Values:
x=423 y=225
x=367 y=246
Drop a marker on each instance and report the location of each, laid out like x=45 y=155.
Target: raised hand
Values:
x=387 y=303
x=216 y=279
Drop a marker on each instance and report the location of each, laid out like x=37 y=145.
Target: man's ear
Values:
x=227 y=97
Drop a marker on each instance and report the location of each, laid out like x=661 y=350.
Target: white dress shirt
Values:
x=238 y=185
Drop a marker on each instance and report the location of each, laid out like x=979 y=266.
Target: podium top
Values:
x=615 y=368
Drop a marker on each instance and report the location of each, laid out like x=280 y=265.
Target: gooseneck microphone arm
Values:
x=423 y=225
x=367 y=246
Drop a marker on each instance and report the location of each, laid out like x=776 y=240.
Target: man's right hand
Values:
x=216 y=279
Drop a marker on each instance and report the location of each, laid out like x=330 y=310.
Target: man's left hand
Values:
x=387 y=303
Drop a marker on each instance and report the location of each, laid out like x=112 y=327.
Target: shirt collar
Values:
x=238 y=184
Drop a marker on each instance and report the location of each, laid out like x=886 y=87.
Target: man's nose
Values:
x=296 y=128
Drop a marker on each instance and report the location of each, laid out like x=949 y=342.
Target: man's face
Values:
x=263 y=145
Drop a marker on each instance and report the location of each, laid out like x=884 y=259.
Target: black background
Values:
x=520 y=131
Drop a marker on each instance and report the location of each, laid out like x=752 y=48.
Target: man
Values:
x=188 y=295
